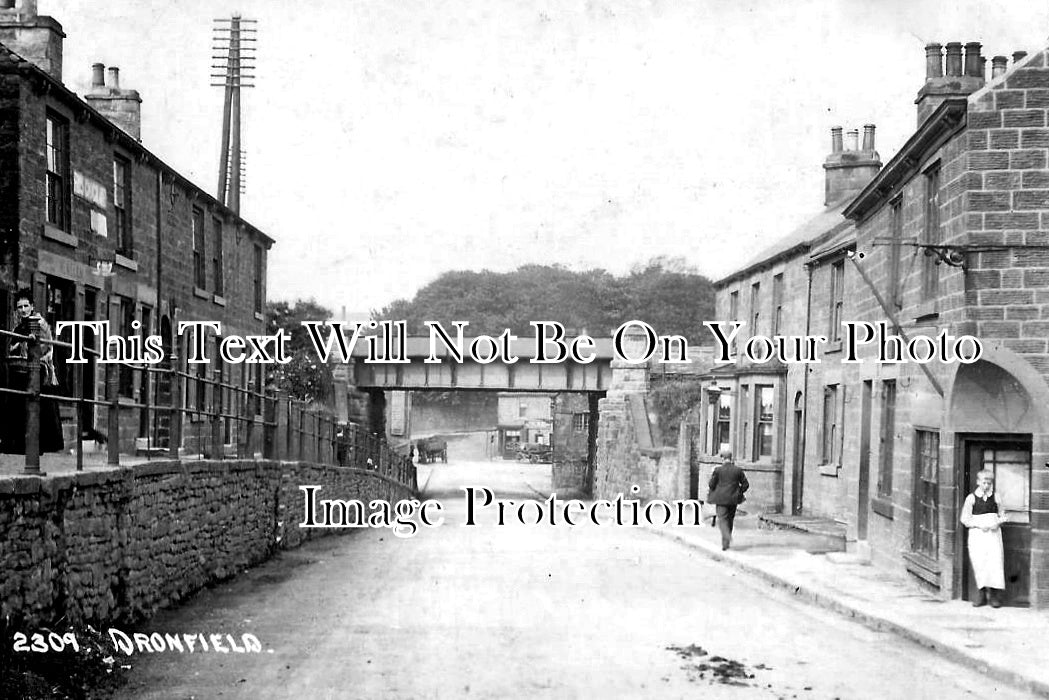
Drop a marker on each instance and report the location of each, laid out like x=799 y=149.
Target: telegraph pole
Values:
x=234 y=53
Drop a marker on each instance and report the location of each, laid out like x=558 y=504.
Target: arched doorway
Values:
x=995 y=419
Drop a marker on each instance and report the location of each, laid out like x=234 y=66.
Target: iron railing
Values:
x=285 y=429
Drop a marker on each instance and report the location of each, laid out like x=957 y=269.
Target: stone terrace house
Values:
x=952 y=235
x=80 y=193
x=759 y=409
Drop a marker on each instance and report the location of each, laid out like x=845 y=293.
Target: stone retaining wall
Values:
x=118 y=544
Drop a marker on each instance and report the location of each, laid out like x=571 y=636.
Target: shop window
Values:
x=744 y=430
x=723 y=424
x=763 y=407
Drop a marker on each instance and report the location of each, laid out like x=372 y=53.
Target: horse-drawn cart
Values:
x=431 y=449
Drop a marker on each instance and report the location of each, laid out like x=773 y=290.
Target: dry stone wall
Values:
x=117 y=545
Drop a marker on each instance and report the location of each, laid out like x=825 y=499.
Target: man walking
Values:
x=728 y=483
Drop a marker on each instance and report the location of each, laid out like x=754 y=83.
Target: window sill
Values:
x=220 y=300
x=830 y=469
x=883 y=507
x=923 y=567
x=201 y=293
x=56 y=234
x=126 y=263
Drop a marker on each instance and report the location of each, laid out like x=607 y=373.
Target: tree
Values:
x=664 y=292
x=305 y=377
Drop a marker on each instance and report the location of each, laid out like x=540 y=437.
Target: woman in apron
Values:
x=983 y=515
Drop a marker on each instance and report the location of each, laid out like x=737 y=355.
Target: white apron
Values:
x=985 y=552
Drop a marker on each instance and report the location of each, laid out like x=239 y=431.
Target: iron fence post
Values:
x=32 y=424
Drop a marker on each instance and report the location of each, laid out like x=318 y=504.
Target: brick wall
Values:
x=113 y=545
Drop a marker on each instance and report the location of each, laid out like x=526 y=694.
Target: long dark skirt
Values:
x=13 y=425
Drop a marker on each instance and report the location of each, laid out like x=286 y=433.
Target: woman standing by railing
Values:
x=13 y=431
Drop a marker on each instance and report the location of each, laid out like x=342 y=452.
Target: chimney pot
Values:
x=835 y=140
x=868 y=137
x=98 y=75
x=1019 y=56
x=114 y=78
x=933 y=61
x=972 y=60
x=954 y=59
x=999 y=64
x=852 y=140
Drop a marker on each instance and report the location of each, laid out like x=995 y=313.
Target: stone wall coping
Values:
x=23 y=485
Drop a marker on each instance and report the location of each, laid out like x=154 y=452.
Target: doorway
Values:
x=1009 y=458
x=61 y=306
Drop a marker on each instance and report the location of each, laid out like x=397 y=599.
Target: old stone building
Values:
x=100 y=228
x=950 y=237
x=522 y=418
x=758 y=409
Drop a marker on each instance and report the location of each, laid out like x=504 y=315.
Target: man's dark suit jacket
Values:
x=728 y=483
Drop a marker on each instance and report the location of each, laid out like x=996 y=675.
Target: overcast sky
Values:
x=388 y=141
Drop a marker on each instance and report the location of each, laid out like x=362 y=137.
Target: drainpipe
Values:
x=805 y=398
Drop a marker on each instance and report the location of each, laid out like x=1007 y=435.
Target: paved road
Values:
x=516 y=611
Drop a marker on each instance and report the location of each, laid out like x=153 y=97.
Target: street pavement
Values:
x=529 y=611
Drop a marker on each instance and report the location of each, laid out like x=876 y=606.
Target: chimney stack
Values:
x=1019 y=56
x=849 y=169
x=122 y=107
x=33 y=37
x=949 y=75
x=999 y=64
